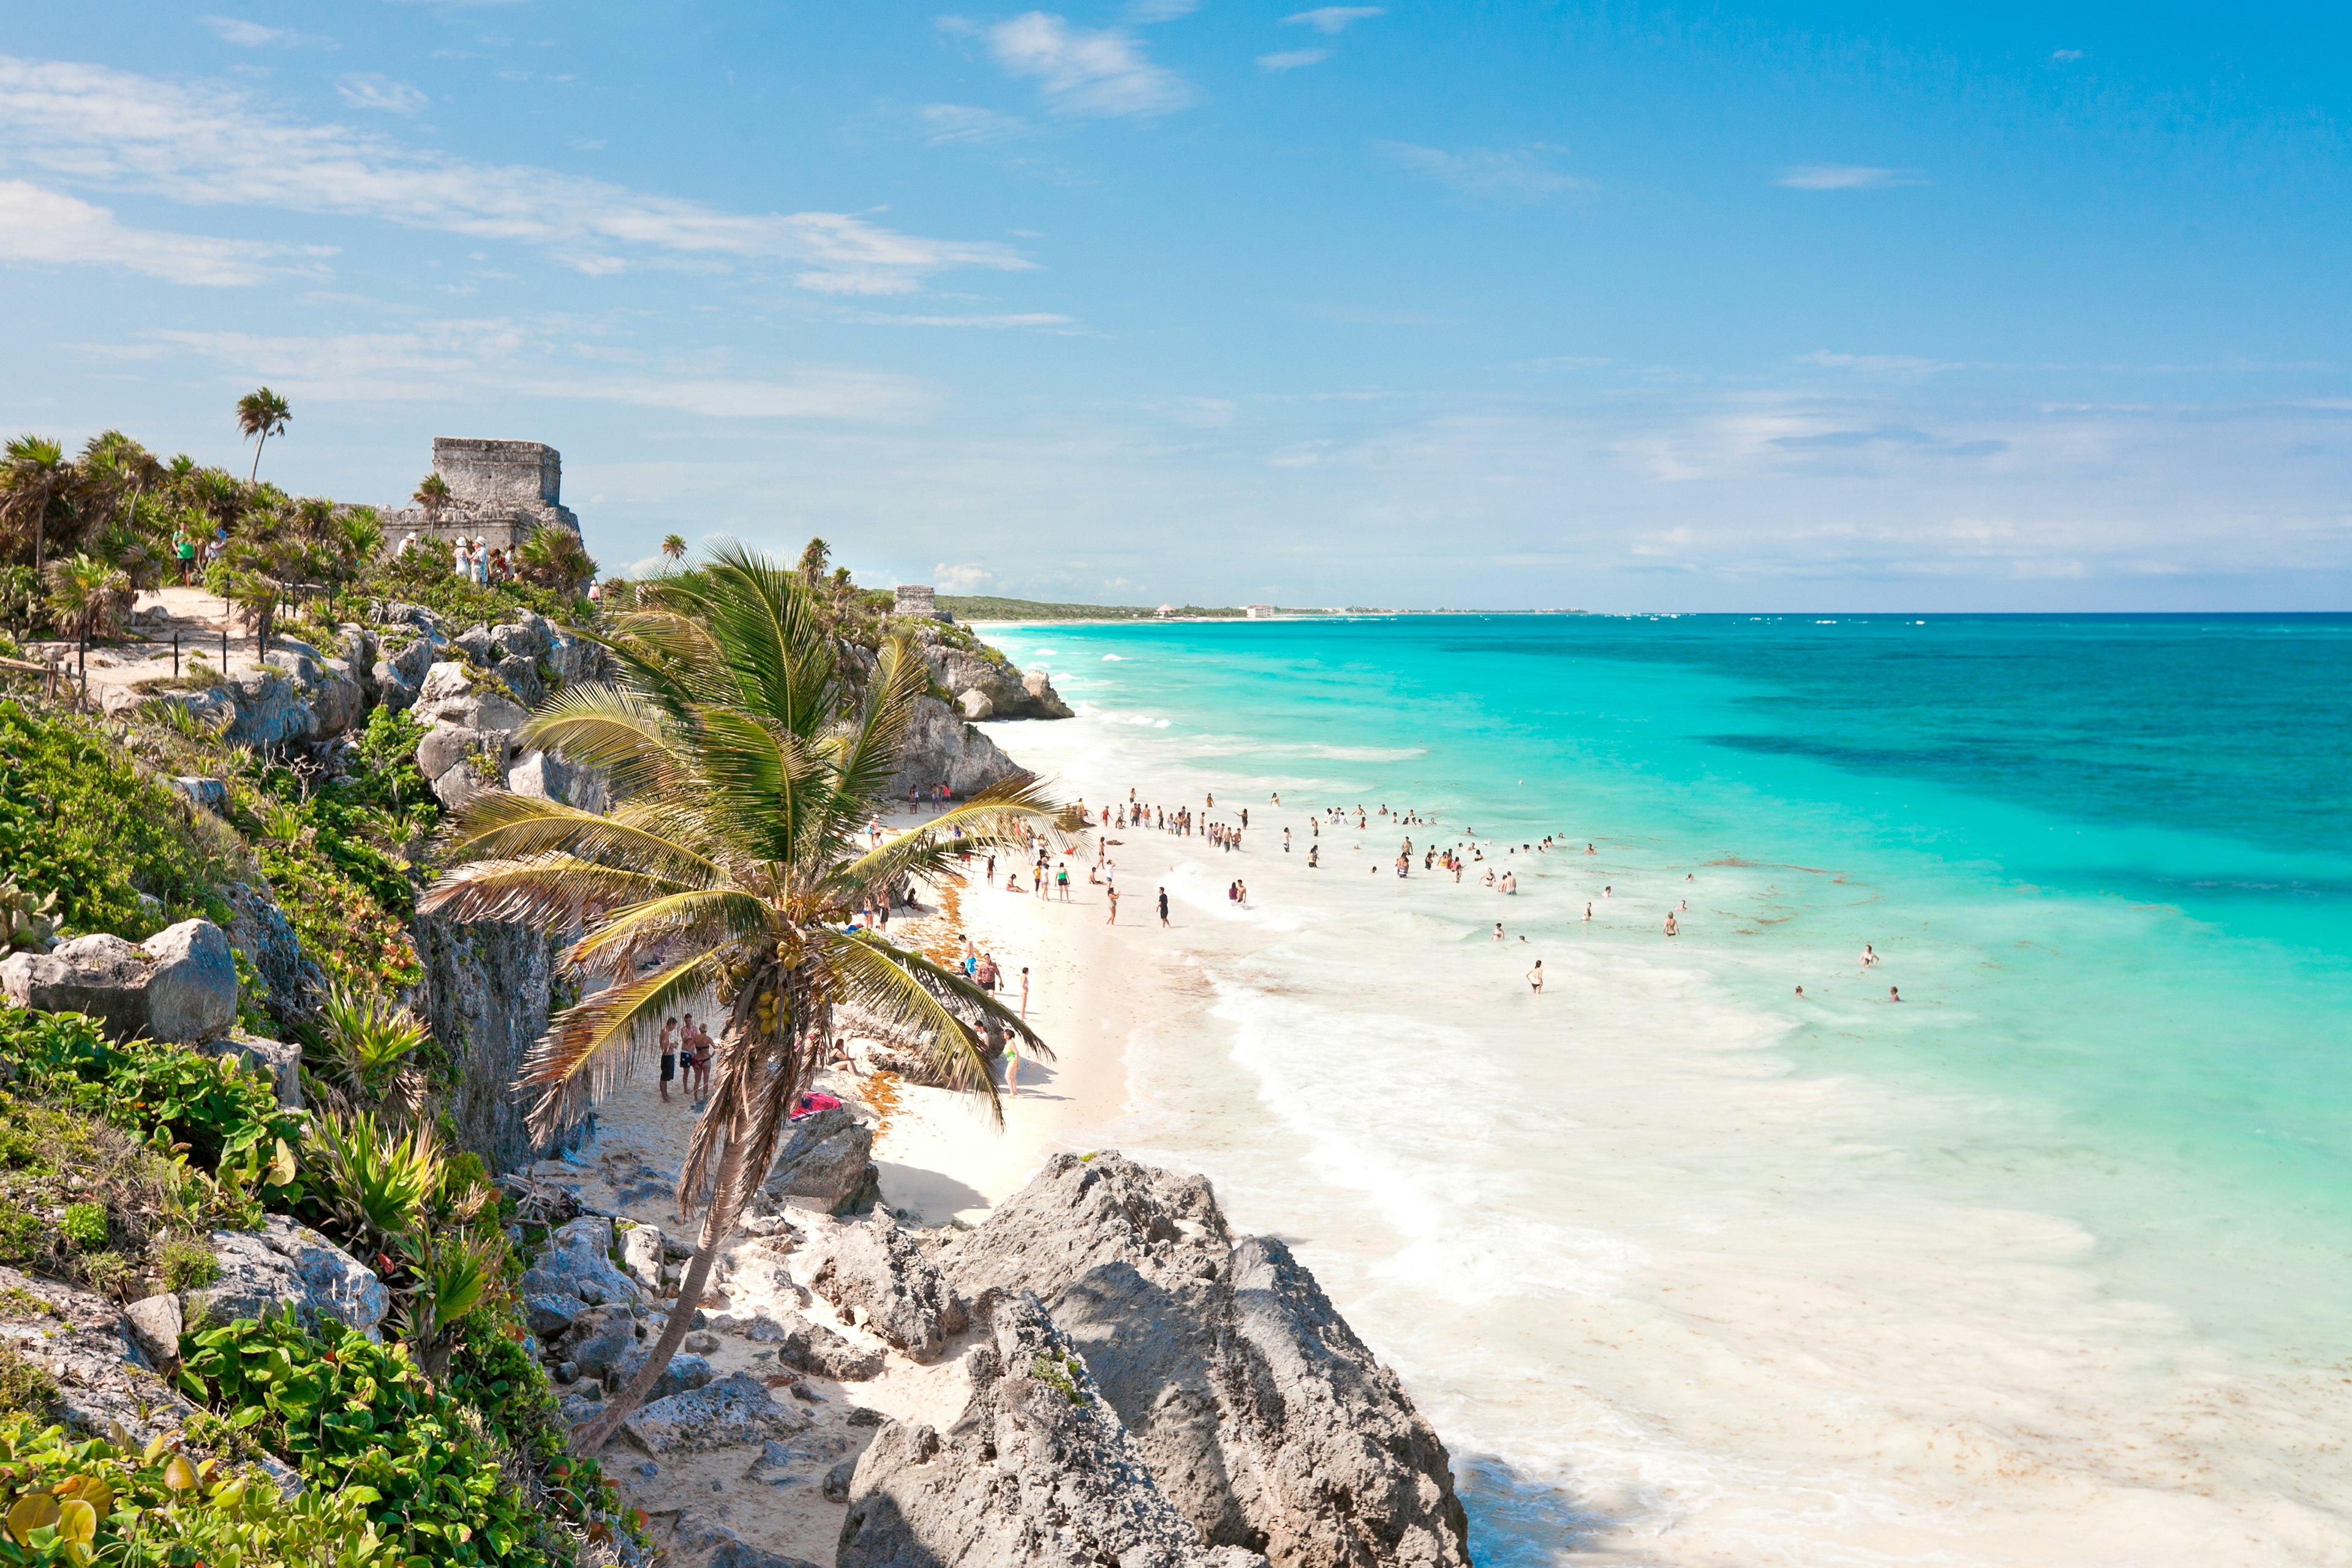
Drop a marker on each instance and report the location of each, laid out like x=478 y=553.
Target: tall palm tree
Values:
x=745 y=768
x=34 y=473
x=432 y=494
x=261 y=414
x=673 y=545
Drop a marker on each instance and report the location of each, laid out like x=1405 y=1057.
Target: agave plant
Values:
x=367 y=1040
x=25 y=925
x=451 y=1272
x=374 y=1181
x=745 y=769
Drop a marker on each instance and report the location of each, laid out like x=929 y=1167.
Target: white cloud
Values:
x=1335 y=18
x=1844 y=177
x=499 y=360
x=1148 y=11
x=947 y=125
x=215 y=146
x=1291 y=59
x=2065 y=57
x=960 y=579
x=49 y=227
x=1518 y=175
x=366 y=90
x=254 y=36
x=1081 y=72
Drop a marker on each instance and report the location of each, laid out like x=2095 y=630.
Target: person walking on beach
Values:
x=1285 y=841
x=1110 y=896
x=1535 y=978
x=1024 y=992
x=1163 y=906
x=1062 y=881
x=668 y=1055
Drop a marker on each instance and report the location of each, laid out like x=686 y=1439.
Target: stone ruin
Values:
x=502 y=492
x=915 y=599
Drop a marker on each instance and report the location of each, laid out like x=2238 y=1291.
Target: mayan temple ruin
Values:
x=501 y=492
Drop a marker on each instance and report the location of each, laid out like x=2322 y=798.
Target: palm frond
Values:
x=707 y=916
x=589 y=1044
x=560 y=892
x=622 y=733
x=521 y=827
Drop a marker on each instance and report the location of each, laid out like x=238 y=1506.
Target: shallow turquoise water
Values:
x=2108 y=860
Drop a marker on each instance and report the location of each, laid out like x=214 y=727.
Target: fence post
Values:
x=175 y=656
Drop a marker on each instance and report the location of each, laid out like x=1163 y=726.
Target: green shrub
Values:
x=423 y=577
x=84 y=1225
x=77 y=819
x=186 y=1263
x=25 y=1388
x=210 y=1104
x=98 y=1504
x=346 y=1411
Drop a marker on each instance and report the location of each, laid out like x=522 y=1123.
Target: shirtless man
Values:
x=668 y=1055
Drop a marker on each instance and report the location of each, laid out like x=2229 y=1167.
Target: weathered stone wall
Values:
x=486 y=989
x=511 y=473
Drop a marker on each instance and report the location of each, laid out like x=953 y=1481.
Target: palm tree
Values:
x=432 y=494
x=34 y=473
x=815 y=555
x=745 y=768
x=673 y=545
x=554 y=558
x=261 y=414
x=87 y=596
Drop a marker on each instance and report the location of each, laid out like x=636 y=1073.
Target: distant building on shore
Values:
x=501 y=492
x=1259 y=612
x=1164 y=613
x=917 y=599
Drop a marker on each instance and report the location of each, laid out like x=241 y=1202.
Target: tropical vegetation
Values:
x=745 y=763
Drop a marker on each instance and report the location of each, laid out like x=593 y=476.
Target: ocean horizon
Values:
x=2040 y=1263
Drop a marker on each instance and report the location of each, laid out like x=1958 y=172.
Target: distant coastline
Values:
x=969 y=607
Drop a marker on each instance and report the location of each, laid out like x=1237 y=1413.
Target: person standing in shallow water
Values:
x=1163 y=906
x=1535 y=978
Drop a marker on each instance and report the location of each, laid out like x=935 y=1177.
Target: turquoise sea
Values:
x=2081 y=1204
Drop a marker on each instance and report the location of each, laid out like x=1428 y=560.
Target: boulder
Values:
x=1036 y=1470
x=204 y=793
x=641 y=1257
x=733 y=1412
x=526 y=638
x=827 y=1164
x=875 y=1265
x=601 y=1337
x=1266 y=1420
x=578 y=1263
x=212 y=709
x=549 y=1314
x=575 y=657
x=566 y=783
x=279 y=1061
x=520 y=674
x=180 y=985
x=1044 y=701
x=741 y=1554
x=454 y=694
x=271 y=709
x=976 y=705
x=283 y=1263
x=816 y=1349
x=154 y=1324
x=1007 y=693
x=327 y=688
x=683 y=1371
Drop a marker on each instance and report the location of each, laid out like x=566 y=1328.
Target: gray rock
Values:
x=827 y=1164
x=1266 y=1420
x=575 y=657
x=578 y=1263
x=476 y=642
x=875 y=1265
x=180 y=985
x=521 y=675
x=579 y=1407
x=735 y=1411
x=258 y=929
x=454 y=694
x=1004 y=690
x=487 y=983
x=600 y=1340
x=683 y=1372
x=270 y=710
x=154 y=1324
x=525 y=639
x=278 y=1061
x=204 y=793
x=941 y=747
x=814 y=1348
x=212 y=709
x=738 y=1554
x=327 y=688
x=701 y=1342
x=263 y=1272
x=976 y=705
x=566 y=783
x=838 y=1480
x=1047 y=702
x=641 y=1256
x=1036 y=1470
x=549 y=1313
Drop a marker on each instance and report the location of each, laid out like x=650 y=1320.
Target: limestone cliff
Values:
x=486 y=996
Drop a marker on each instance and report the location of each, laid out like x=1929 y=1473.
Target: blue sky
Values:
x=1826 y=306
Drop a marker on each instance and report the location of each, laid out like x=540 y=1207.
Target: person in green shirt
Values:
x=185 y=548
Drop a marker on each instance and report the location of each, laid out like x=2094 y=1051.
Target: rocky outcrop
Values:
x=258 y=929
x=578 y=1265
x=486 y=993
x=1036 y=1470
x=943 y=749
x=827 y=1164
x=1267 y=1422
x=278 y=1063
x=875 y=1267
x=180 y=985
x=1002 y=690
x=733 y=1412
x=262 y=1272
